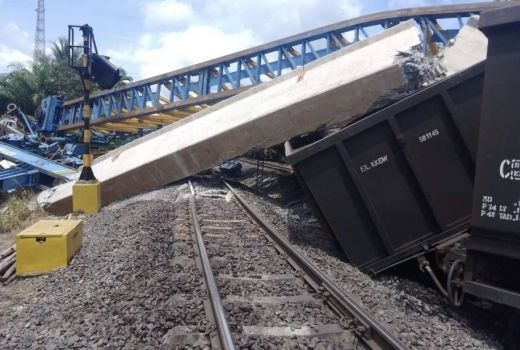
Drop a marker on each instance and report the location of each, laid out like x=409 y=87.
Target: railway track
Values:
x=259 y=291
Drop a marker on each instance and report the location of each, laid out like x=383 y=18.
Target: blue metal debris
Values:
x=49 y=113
x=43 y=165
x=20 y=175
x=28 y=124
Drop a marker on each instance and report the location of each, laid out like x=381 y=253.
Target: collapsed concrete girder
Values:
x=470 y=48
x=329 y=91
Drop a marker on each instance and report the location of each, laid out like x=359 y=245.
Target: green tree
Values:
x=60 y=50
x=50 y=75
x=17 y=87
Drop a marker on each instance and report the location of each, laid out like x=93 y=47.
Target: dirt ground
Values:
x=7 y=239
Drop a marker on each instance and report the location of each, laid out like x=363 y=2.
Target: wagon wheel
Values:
x=455 y=285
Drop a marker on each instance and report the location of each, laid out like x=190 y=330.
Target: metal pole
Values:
x=86 y=173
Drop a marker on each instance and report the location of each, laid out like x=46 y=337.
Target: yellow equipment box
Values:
x=86 y=197
x=47 y=245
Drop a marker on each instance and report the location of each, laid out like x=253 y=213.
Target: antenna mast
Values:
x=39 y=38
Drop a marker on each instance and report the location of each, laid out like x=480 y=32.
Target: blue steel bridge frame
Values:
x=179 y=93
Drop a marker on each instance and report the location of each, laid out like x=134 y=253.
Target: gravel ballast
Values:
x=239 y=248
x=418 y=315
x=135 y=284
x=122 y=290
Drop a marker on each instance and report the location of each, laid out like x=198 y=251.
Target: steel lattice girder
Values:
x=215 y=80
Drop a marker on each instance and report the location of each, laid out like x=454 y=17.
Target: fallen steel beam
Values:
x=329 y=91
x=43 y=165
x=19 y=175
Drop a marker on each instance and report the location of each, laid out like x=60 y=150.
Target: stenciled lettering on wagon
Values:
x=499 y=211
x=429 y=135
x=510 y=169
x=374 y=163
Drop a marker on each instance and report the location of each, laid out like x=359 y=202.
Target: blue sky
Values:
x=150 y=37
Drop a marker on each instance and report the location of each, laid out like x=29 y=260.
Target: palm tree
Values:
x=18 y=87
x=60 y=50
x=49 y=75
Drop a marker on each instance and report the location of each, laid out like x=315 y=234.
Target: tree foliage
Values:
x=50 y=75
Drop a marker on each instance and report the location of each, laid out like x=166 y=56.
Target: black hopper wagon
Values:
x=435 y=174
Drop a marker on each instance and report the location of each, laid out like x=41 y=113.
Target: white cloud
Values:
x=274 y=19
x=181 y=32
x=158 y=54
x=12 y=35
x=10 y=56
x=16 y=46
x=167 y=14
x=399 y=4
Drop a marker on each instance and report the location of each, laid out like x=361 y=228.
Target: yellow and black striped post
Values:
x=86 y=192
x=86 y=173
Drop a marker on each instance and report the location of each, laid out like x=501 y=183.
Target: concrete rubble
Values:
x=330 y=91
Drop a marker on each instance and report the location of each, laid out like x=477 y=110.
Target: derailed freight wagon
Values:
x=402 y=181
x=493 y=251
x=398 y=182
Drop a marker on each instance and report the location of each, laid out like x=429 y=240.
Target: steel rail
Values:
x=371 y=332
x=219 y=316
x=220 y=78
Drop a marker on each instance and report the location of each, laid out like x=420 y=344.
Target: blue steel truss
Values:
x=214 y=80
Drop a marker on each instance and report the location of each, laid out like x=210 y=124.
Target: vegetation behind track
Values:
x=17 y=211
x=50 y=75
